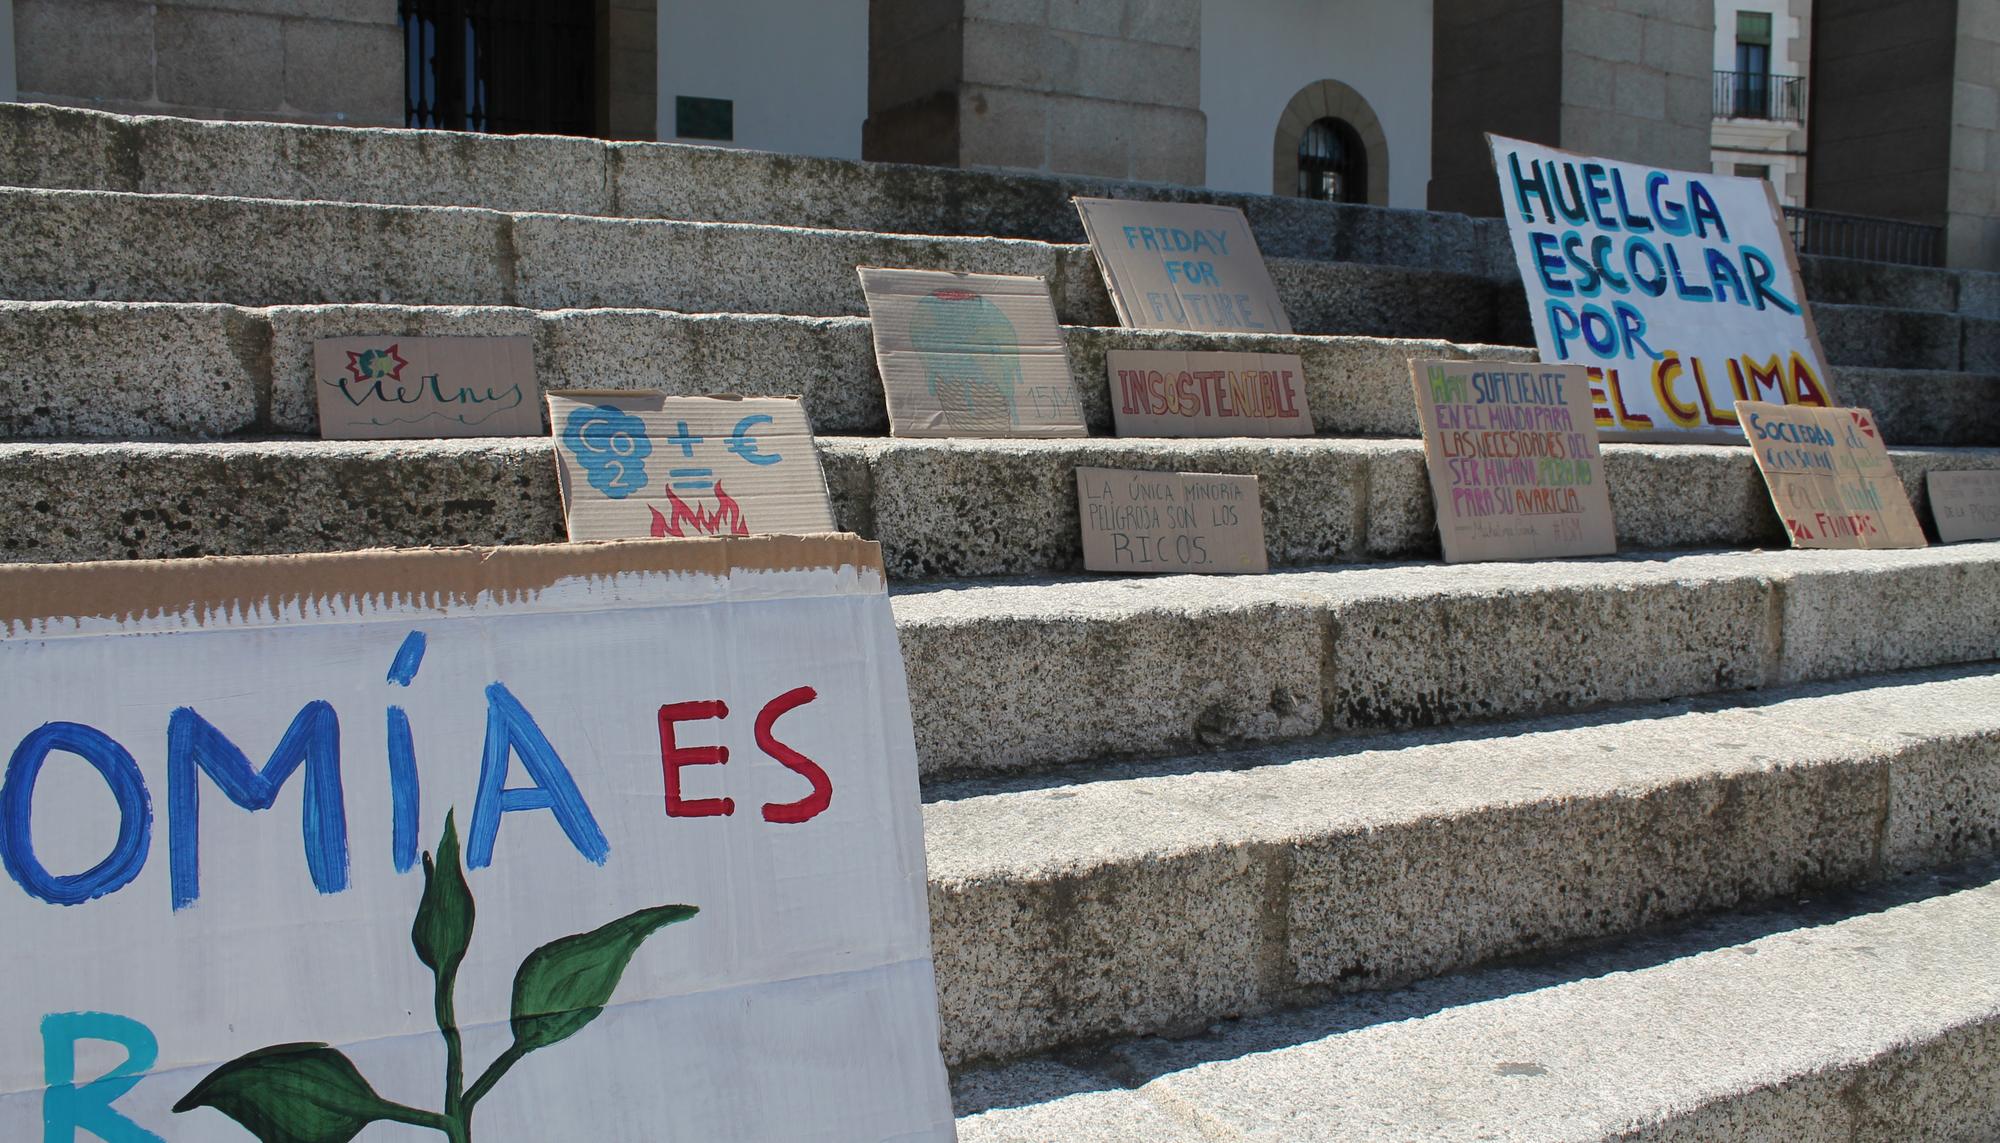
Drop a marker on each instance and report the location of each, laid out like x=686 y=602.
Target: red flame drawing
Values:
x=727 y=519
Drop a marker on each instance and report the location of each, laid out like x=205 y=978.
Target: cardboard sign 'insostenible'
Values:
x=632 y=827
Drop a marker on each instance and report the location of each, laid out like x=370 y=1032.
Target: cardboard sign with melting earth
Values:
x=1167 y=393
x=1513 y=458
x=398 y=388
x=1830 y=476
x=641 y=463
x=970 y=355
x=1966 y=505
x=1170 y=522
x=1182 y=265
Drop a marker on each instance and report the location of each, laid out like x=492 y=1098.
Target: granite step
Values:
x=1072 y=909
x=191 y=370
x=67 y=148
x=941 y=508
x=1871 y=1016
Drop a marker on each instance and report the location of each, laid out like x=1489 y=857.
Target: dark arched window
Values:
x=1333 y=163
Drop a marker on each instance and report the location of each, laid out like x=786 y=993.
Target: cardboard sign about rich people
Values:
x=611 y=841
x=1182 y=265
x=1163 y=393
x=1170 y=522
x=640 y=463
x=1514 y=466
x=970 y=355
x=1966 y=505
x=1678 y=290
x=376 y=388
x=1830 y=477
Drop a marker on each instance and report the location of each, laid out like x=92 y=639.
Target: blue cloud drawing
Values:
x=612 y=447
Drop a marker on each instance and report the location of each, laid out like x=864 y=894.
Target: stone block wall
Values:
x=1880 y=114
x=312 y=61
x=1496 y=65
x=628 y=81
x=1637 y=80
x=1972 y=204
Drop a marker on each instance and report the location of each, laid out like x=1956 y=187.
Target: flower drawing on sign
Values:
x=377 y=364
x=312 y=1093
x=612 y=447
x=972 y=358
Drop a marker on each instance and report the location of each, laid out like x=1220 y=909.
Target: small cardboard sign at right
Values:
x=1171 y=522
x=1514 y=466
x=1966 y=505
x=1166 y=393
x=1182 y=265
x=1830 y=476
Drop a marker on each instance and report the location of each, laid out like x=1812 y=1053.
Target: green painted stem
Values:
x=454 y=1046
x=492 y=1075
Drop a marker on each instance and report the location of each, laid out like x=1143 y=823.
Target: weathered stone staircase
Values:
x=1185 y=835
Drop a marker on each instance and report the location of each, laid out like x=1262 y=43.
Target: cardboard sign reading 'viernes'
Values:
x=646 y=464
x=1966 y=505
x=1830 y=477
x=1182 y=265
x=1163 y=393
x=633 y=826
x=1170 y=522
x=1678 y=290
x=380 y=388
x=970 y=355
x=1513 y=459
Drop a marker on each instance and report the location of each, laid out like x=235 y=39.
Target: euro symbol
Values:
x=744 y=445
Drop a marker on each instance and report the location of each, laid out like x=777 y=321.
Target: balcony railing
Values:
x=1832 y=235
x=1757 y=95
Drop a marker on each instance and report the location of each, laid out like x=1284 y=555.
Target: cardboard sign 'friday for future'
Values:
x=383 y=388
x=970 y=355
x=1966 y=505
x=1165 y=393
x=1170 y=522
x=1830 y=477
x=1513 y=459
x=542 y=858
x=640 y=463
x=1182 y=265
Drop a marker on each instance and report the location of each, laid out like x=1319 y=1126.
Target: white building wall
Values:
x=1256 y=54
x=1775 y=144
x=798 y=73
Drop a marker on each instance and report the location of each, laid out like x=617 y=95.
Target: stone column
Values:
x=1905 y=118
x=1625 y=79
x=1096 y=87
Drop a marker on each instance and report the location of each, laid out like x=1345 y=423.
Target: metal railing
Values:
x=1858 y=236
x=1758 y=95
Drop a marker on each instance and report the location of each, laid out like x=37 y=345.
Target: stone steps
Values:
x=1070 y=911
x=941 y=508
x=180 y=370
x=1874 y=1017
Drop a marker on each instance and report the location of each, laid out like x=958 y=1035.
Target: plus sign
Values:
x=686 y=440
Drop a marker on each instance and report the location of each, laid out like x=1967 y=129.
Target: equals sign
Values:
x=695 y=479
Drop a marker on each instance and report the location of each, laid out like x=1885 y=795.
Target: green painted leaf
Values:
x=443 y=927
x=566 y=983
x=292 y=1093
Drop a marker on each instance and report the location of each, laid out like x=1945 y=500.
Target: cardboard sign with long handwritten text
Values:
x=1965 y=505
x=1170 y=521
x=641 y=463
x=1182 y=265
x=383 y=388
x=1830 y=476
x=970 y=355
x=415 y=846
x=1514 y=465
x=1167 y=393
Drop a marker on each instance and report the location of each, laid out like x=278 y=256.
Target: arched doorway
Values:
x=1330 y=145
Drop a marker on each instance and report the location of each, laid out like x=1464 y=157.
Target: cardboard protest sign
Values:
x=1170 y=522
x=641 y=463
x=1182 y=265
x=1164 y=393
x=970 y=355
x=1678 y=290
x=632 y=828
x=380 y=388
x=1514 y=466
x=1965 y=505
x=1830 y=477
